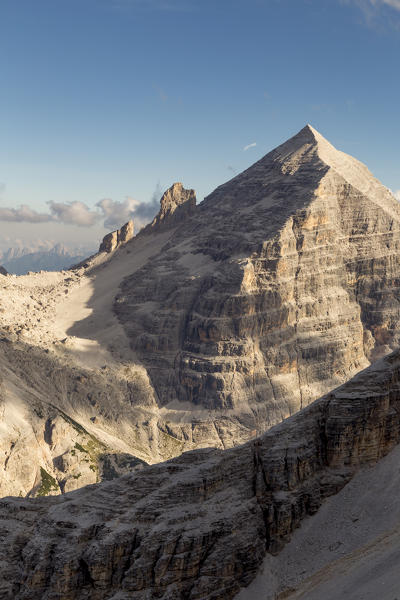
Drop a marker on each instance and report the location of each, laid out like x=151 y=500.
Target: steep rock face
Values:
x=197 y=527
x=113 y=240
x=176 y=205
x=126 y=232
x=110 y=242
x=282 y=284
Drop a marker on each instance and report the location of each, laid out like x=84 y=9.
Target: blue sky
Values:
x=120 y=98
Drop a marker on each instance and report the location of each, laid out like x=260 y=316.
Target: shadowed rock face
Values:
x=197 y=527
x=281 y=285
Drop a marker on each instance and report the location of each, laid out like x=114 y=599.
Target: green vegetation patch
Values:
x=80 y=448
x=171 y=444
x=48 y=484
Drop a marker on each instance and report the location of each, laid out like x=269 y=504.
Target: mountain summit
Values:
x=309 y=145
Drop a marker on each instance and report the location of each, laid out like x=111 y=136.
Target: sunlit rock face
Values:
x=176 y=205
x=282 y=284
x=114 y=239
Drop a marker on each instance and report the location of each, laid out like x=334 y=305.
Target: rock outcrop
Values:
x=176 y=205
x=3 y=271
x=197 y=527
x=117 y=238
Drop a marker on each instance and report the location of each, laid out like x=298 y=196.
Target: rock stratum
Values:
x=197 y=527
x=214 y=323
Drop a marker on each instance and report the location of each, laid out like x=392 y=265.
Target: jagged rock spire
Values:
x=176 y=205
x=113 y=240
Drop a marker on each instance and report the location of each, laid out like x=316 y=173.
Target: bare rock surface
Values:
x=212 y=324
x=176 y=205
x=281 y=285
x=197 y=527
x=75 y=406
x=113 y=240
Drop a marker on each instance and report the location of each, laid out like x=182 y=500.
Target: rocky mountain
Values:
x=20 y=261
x=283 y=283
x=211 y=325
x=198 y=527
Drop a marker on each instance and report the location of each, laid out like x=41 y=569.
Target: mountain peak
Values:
x=307 y=143
x=308 y=148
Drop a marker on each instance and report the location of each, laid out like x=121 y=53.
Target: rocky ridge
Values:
x=198 y=526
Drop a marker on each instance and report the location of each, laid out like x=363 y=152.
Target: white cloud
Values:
x=24 y=214
x=117 y=213
x=397 y=195
x=113 y=213
x=73 y=213
x=249 y=146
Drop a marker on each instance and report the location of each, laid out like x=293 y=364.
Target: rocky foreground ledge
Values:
x=197 y=527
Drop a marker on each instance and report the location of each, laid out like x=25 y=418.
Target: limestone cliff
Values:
x=197 y=527
x=281 y=285
x=113 y=240
x=176 y=205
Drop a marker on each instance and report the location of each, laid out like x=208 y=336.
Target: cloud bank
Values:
x=24 y=214
x=111 y=212
x=116 y=213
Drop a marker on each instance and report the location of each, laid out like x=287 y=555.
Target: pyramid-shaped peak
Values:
x=309 y=150
x=303 y=141
x=309 y=128
x=310 y=132
x=314 y=136
x=305 y=161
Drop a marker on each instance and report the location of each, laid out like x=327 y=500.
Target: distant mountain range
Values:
x=21 y=260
